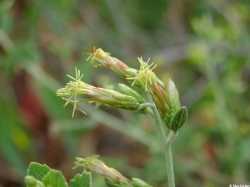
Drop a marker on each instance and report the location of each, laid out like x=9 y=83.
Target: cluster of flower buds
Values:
x=76 y=90
x=165 y=96
x=112 y=176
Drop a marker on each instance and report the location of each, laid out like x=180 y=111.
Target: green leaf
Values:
x=37 y=170
x=81 y=180
x=54 y=178
x=31 y=181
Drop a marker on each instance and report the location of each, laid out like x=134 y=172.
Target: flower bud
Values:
x=173 y=95
x=166 y=99
x=102 y=58
x=160 y=98
x=178 y=119
x=76 y=90
x=95 y=165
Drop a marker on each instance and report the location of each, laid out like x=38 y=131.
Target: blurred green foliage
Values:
x=203 y=45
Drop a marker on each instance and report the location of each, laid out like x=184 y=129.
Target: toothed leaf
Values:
x=37 y=170
x=54 y=178
x=81 y=180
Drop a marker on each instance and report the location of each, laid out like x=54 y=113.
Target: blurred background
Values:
x=203 y=45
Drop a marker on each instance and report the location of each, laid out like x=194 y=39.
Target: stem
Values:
x=167 y=139
x=170 y=163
